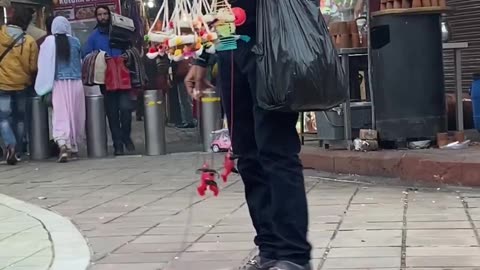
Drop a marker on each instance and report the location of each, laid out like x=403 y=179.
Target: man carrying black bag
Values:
x=268 y=147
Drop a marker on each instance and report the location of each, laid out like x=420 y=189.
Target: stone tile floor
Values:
x=24 y=242
x=143 y=213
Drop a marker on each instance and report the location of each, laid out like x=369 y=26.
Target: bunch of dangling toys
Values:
x=194 y=28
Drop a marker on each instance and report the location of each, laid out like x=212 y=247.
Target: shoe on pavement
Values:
x=11 y=156
x=286 y=265
x=63 y=156
x=258 y=263
x=130 y=147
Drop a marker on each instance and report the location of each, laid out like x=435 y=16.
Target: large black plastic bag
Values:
x=298 y=68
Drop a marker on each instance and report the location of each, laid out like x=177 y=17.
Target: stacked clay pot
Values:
x=398 y=4
x=345 y=35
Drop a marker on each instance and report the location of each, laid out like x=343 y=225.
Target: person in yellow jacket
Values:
x=18 y=65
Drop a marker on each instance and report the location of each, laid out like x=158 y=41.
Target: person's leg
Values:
x=278 y=148
x=186 y=106
x=125 y=109
x=61 y=120
x=140 y=108
x=6 y=130
x=113 y=115
x=77 y=116
x=19 y=106
x=257 y=187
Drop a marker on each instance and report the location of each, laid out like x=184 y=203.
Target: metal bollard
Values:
x=155 y=143
x=96 y=127
x=211 y=119
x=39 y=129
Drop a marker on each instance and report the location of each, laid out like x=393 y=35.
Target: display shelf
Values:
x=419 y=11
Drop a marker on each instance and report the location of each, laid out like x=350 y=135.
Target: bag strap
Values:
x=10 y=47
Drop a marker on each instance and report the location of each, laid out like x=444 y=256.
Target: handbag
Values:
x=10 y=47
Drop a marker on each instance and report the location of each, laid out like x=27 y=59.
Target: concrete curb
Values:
x=70 y=248
x=447 y=167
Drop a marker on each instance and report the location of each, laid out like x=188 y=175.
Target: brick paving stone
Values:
x=441 y=238
x=362 y=263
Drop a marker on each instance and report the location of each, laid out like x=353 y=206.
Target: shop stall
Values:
x=393 y=55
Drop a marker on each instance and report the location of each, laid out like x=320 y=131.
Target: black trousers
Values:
x=268 y=145
x=119 y=107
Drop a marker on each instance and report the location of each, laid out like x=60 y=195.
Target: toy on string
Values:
x=159 y=33
x=185 y=43
x=203 y=21
x=207 y=180
x=228 y=165
x=224 y=25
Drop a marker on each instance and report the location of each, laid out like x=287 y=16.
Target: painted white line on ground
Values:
x=70 y=248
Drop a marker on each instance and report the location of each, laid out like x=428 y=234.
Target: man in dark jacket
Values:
x=268 y=147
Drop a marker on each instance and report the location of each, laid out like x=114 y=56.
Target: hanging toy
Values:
x=160 y=31
x=207 y=180
x=152 y=52
x=183 y=44
x=240 y=16
x=228 y=166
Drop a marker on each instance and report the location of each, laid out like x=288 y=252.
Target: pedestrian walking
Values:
x=119 y=105
x=268 y=147
x=59 y=65
x=18 y=65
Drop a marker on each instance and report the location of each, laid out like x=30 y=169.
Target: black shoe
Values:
x=186 y=125
x=286 y=265
x=259 y=263
x=118 y=151
x=10 y=156
x=130 y=147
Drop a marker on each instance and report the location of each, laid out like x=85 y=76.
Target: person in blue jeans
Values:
x=18 y=65
x=118 y=104
x=267 y=145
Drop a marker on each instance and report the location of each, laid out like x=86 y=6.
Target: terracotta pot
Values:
x=343 y=28
x=333 y=27
x=451 y=112
x=389 y=4
x=416 y=3
x=397 y=4
x=442 y=139
x=434 y=3
x=442 y=3
x=383 y=5
x=356 y=40
x=406 y=3
x=459 y=136
x=353 y=27
x=345 y=41
x=426 y=3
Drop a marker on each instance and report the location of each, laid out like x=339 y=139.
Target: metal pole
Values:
x=211 y=118
x=346 y=106
x=96 y=127
x=39 y=129
x=155 y=142
x=370 y=66
x=459 y=90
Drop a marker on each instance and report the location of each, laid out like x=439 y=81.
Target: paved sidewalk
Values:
x=32 y=238
x=143 y=213
x=23 y=241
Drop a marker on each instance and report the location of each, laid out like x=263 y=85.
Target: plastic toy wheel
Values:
x=215 y=148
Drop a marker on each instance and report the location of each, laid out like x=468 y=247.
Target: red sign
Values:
x=82 y=10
